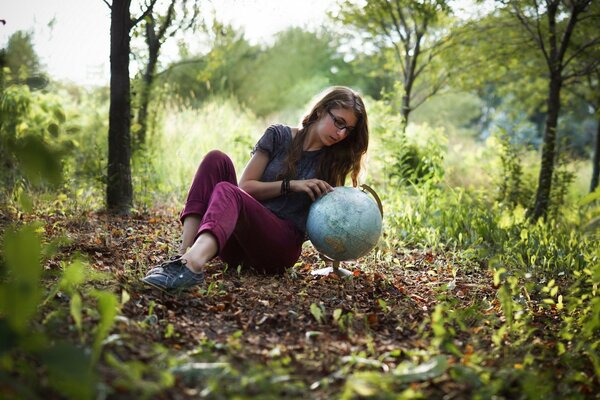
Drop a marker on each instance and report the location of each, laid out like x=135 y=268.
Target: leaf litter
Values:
x=323 y=327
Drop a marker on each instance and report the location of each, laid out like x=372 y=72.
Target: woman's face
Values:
x=335 y=125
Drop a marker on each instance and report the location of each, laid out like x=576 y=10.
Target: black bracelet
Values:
x=284 y=186
x=287 y=186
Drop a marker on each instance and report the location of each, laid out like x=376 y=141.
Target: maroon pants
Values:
x=247 y=232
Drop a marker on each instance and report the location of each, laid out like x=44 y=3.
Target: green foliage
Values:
x=219 y=72
x=512 y=189
x=215 y=378
x=459 y=113
x=21 y=60
x=413 y=33
x=21 y=251
x=274 y=79
x=140 y=378
x=394 y=385
x=25 y=343
x=108 y=309
x=540 y=316
x=31 y=136
x=415 y=157
x=162 y=171
x=317 y=312
x=298 y=65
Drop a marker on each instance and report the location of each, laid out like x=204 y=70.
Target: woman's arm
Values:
x=250 y=179
x=251 y=184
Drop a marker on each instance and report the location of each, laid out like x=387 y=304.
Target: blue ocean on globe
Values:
x=344 y=224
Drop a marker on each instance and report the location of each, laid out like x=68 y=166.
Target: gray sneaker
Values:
x=160 y=267
x=173 y=276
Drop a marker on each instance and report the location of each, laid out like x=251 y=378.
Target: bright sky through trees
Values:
x=72 y=36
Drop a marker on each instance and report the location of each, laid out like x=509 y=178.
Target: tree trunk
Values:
x=596 y=162
x=119 y=190
x=542 y=198
x=405 y=111
x=147 y=80
x=408 y=82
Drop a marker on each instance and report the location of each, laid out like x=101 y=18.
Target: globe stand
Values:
x=322 y=245
x=334 y=269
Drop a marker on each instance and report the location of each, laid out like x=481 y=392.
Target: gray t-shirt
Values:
x=276 y=142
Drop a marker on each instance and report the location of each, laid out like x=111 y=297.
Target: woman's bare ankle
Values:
x=192 y=265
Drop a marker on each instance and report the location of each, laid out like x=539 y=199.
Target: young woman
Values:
x=262 y=221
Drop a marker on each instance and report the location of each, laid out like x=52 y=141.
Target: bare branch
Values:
x=395 y=21
x=435 y=88
x=537 y=38
x=192 y=19
x=585 y=71
x=538 y=28
x=149 y=10
x=108 y=4
x=401 y=14
x=578 y=8
x=168 y=20
x=178 y=64
x=581 y=50
x=386 y=32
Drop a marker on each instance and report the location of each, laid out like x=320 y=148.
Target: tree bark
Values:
x=154 y=45
x=596 y=161
x=119 y=190
x=542 y=198
x=405 y=111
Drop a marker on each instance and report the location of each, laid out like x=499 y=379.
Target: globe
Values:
x=344 y=224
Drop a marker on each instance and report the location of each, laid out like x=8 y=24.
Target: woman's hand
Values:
x=315 y=188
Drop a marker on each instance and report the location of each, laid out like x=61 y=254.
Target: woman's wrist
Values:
x=285 y=187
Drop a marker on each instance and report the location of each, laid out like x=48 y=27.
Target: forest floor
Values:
x=247 y=334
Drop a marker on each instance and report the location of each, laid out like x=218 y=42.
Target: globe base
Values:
x=335 y=269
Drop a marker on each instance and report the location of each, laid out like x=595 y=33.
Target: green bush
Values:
x=32 y=137
x=414 y=157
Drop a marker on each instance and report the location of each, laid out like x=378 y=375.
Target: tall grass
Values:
x=164 y=169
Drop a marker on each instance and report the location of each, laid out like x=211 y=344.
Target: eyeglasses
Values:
x=340 y=123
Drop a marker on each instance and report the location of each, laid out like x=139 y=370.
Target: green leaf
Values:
x=408 y=372
x=125 y=297
x=365 y=384
x=53 y=129
x=20 y=294
x=38 y=161
x=108 y=309
x=169 y=331
x=25 y=201
x=591 y=197
x=316 y=312
x=76 y=307
x=193 y=372
x=337 y=313
x=59 y=115
x=498 y=274
x=73 y=276
x=69 y=371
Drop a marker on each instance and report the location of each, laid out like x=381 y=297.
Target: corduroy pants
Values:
x=247 y=232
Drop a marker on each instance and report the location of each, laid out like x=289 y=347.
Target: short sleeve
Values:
x=270 y=141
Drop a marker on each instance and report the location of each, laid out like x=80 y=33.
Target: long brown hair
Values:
x=344 y=157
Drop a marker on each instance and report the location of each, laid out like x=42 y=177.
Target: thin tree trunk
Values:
x=409 y=81
x=119 y=190
x=405 y=112
x=596 y=162
x=542 y=198
x=147 y=80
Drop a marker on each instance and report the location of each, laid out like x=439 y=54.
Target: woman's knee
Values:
x=216 y=156
x=226 y=187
